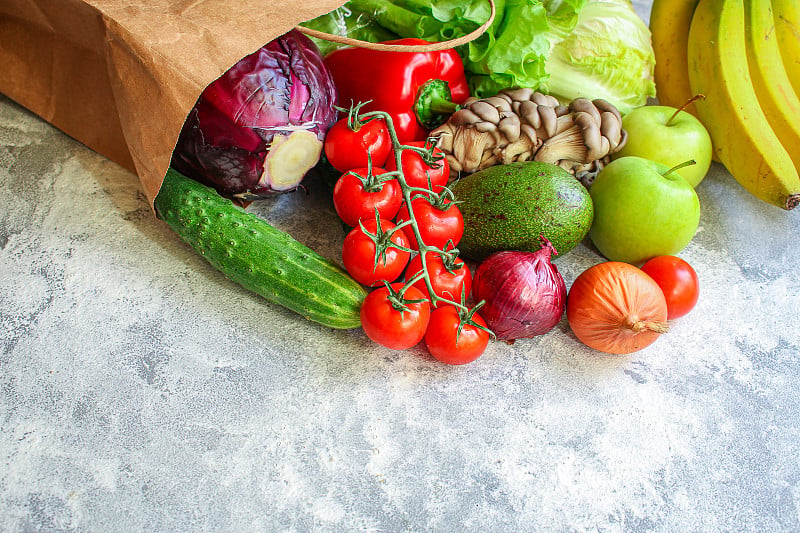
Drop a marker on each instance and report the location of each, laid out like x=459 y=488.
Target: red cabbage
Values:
x=258 y=129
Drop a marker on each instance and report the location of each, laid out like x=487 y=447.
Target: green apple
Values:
x=642 y=209
x=669 y=136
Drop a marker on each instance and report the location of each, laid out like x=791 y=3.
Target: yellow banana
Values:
x=669 y=27
x=774 y=90
x=743 y=138
x=787 y=32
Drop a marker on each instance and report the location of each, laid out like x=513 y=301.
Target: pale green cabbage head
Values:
x=608 y=54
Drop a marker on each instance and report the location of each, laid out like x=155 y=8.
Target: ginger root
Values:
x=523 y=125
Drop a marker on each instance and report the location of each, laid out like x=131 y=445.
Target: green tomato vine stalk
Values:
x=438 y=200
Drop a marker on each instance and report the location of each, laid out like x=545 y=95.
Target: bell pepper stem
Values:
x=434 y=103
x=443 y=107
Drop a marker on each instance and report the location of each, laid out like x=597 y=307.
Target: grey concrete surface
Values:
x=142 y=391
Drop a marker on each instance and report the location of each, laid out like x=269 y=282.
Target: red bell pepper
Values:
x=419 y=90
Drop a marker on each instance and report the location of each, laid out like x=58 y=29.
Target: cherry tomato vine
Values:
x=435 y=235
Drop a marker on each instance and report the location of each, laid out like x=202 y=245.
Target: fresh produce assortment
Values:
x=465 y=177
x=741 y=55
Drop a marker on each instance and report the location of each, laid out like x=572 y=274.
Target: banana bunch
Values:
x=744 y=57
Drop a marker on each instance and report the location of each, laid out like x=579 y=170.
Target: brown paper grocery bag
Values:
x=121 y=76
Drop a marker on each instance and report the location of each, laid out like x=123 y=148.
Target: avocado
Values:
x=508 y=207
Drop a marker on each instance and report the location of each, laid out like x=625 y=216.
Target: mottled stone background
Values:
x=142 y=391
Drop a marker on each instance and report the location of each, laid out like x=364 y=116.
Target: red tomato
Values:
x=391 y=327
x=446 y=283
x=359 y=250
x=353 y=202
x=346 y=148
x=436 y=226
x=446 y=344
x=416 y=171
x=677 y=280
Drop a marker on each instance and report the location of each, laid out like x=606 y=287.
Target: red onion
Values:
x=524 y=292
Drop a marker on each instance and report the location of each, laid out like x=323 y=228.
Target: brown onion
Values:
x=616 y=308
x=525 y=294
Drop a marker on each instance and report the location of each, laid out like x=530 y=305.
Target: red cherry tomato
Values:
x=446 y=344
x=358 y=254
x=416 y=171
x=678 y=280
x=346 y=146
x=446 y=284
x=393 y=327
x=436 y=225
x=353 y=202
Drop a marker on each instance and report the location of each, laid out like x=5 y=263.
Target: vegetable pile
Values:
x=493 y=147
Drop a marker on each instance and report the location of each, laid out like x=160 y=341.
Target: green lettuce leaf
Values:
x=346 y=22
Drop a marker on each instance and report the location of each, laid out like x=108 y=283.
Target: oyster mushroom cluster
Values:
x=527 y=125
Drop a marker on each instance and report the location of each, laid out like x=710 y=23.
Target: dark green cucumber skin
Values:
x=258 y=256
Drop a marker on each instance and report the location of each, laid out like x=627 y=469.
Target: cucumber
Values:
x=257 y=255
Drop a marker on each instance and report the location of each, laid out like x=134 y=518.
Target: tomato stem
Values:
x=354 y=119
x=371 y=182
x=396 y=298
x=382 y=239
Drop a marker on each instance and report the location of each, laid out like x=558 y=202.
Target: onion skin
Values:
x=525 y=294
x=616 y=308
